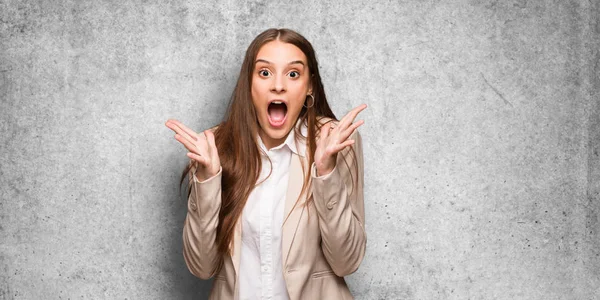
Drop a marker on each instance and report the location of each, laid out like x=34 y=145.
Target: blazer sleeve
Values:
x=200 y=227
x=338 y=198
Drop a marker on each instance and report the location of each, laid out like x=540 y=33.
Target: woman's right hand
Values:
x=201 y=146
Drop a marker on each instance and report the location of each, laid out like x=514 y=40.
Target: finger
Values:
x=191 y=146
x=350 y=130
x=185 y=137
x=210 y=138
x=173 y=126
x=200 y=159
x=325 y=131
x=183 y=130
x=350 y=116
x=186 y=143
x=180 y=132
x=343 y=145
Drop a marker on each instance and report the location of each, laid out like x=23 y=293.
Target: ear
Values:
x=310 y=85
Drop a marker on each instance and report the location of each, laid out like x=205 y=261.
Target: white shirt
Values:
x=261 y=275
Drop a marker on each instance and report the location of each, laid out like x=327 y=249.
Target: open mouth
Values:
x=277 y=113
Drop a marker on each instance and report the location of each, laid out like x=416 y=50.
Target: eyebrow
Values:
x=291 y=63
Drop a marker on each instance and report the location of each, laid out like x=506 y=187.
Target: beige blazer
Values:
x=321 y=242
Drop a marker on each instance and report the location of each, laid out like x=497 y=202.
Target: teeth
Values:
x=277 y=102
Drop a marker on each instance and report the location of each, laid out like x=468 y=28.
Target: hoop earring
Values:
x=312 y=103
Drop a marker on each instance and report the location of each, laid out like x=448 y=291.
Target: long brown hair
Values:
x=235 y=136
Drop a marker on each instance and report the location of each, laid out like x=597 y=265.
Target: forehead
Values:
x=278 y=52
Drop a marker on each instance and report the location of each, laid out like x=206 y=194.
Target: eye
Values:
x=294 y=74
x=263 y=72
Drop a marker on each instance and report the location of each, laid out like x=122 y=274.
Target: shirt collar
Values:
x=290 y=141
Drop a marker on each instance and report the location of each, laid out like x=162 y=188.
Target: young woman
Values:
x=275 y=206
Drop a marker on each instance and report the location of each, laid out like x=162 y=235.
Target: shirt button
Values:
x=193 y=206
x=265 y=269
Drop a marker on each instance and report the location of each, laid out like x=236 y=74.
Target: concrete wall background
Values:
x=481 y=141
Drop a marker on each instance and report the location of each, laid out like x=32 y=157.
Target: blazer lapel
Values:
x=292 y=217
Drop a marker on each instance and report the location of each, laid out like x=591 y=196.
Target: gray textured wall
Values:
x=482 y=141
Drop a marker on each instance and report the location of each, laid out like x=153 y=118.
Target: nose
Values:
x=278 y=84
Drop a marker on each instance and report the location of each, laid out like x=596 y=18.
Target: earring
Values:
x=312 y=103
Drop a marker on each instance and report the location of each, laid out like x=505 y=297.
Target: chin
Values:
x=277 y=132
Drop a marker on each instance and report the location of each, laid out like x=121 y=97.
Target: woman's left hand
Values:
x=333 y=140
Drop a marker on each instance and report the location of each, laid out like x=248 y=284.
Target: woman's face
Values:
x=280 y=85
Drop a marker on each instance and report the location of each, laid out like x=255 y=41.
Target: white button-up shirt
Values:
x=261 y=274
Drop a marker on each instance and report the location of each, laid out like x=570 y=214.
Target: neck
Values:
x=269 y=141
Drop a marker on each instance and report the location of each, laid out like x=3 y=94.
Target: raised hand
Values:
x=201 y=146
x=333 y=140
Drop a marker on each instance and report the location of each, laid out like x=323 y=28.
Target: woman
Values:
x=275 y=209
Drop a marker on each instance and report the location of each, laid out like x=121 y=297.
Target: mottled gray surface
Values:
x=482 y=141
